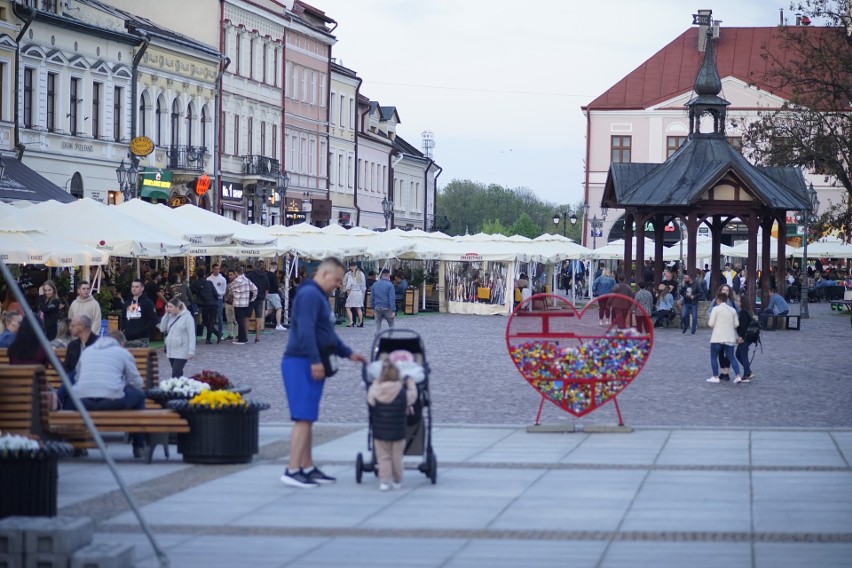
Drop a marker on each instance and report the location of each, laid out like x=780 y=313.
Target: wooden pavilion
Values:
x=706 y=181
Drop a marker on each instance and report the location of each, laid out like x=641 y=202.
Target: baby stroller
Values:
x=418 y=431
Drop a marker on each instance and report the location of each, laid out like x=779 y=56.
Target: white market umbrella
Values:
x=167 y=219
x=829 y=247
x=741 y=250
x=104 y=228
x=703 y=249
x=615 y=250
x=200 y=221
x=35 y=247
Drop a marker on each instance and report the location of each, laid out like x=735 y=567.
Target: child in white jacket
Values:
x=389 y=404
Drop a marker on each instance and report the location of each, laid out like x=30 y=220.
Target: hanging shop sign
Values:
x=202 y=184
x=232 y=192
x=156 y=183
x=320 y=209
x=141 y=146
x=177 y=201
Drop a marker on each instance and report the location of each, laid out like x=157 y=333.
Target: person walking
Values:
x=309 y=358
x=644 y=298
x=689 y=294
x=258 y=305
x=207 y=300
x=724 y=321
x=273 y=296
x=603 y=284
x=620 y=307
x=85 y=304
x=178 y=327
x=383 y=300
x=355 y=285
x=221 y=285
x=245 y=293
x=48 y=309
x=744 y=338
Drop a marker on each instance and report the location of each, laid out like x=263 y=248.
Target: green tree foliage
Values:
x=812 y=130
x=473 y=207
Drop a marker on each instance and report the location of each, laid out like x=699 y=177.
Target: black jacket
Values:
x=74 y=350
x=745 y=319
x=205 y=292
x=260 y=280
x=388 y=419
x=142 y=321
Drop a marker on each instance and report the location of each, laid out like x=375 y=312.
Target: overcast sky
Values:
x=501 y=83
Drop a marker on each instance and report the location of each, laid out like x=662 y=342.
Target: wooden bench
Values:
x=22 y=407
x=789 y=322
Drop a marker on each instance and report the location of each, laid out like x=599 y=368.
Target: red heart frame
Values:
x=583 y=378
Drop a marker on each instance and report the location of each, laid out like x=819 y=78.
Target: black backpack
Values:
x=752 y=333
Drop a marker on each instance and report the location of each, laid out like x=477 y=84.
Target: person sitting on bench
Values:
x=108 y=380
x=775 y=307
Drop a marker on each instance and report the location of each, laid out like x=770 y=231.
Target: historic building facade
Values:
x=342 y=142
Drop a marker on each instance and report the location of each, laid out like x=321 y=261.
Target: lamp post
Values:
x=127 y=177
x=572 y=217
x=808 y=216
x=387 y=210
x=283 y=182
x=2 y=167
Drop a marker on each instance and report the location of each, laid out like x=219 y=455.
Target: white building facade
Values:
x=342 y=133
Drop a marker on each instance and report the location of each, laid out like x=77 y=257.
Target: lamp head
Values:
x=556 y=219
x=121 y=174
x=573 y=219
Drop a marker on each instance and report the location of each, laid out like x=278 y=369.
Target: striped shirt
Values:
x=244 y=291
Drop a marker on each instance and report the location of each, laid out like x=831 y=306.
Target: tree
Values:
x=812 y=69
x=525 y=226
x=495 y=228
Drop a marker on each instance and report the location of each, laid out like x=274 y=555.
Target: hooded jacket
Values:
x=87 y=307
x=105 y=369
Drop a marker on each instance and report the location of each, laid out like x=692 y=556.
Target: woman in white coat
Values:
x=355 y=284
x=178 y=326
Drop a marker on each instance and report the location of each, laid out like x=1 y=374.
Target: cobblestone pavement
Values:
x=803 y=377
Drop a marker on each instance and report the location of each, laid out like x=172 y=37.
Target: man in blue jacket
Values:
x=312 y=347
x=383 y=300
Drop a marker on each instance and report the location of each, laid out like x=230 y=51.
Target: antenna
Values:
x=428 y=138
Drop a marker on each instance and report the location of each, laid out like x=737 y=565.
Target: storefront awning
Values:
x=21 y=182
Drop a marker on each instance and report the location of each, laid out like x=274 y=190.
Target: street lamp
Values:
x=387 y=210
x=2 y=167
x=127 y=177
x=569 y=216
x=808 y=216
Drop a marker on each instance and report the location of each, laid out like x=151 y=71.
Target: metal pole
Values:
x=803 y=292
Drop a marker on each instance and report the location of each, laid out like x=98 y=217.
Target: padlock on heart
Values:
x=579 y=360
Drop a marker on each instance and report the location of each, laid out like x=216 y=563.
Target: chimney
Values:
x=702 y=28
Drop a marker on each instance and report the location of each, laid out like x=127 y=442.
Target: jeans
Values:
x=386 y=314
x=686 y=311
x=220 y=303
x=765 y=315
x=604 y=309
x=728 y=350
x=242 y=315
x=210 y=319
x=742 y=357
x=133 y=399
x=177 y=367
x=661 y=317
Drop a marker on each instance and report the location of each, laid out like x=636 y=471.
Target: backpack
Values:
x=752 y=334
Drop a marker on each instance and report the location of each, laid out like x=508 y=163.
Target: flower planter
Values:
x=219 y=436
x=29 y=481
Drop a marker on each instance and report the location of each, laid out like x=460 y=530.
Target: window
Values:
x=265 y=61
x=117 y=115
x=313 y=87
x=673 y=143
x=331 y=118
x=251 y=62
x=236 y=135
x=160 y=118
x=275 y=141
x=323 y=92
x=350 y=172
x=97 y=89
x=189 y=119
x=2 y=89
x=143 y=117
x=51 y=101
x=311 y=160
x=294 y=91
x=342 y=106
x=323 y=157
x=239 y=40
x=351 y=113
x=175 y=123
x=302 y=155
x=73 y=99
x=304 y=85
x=263 y=139
x=275 y=66
x=620 y=148
x=250 y=134
x=204 y=127
x=294 y=143
x=341 y=175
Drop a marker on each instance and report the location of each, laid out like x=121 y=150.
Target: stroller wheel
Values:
x=359 y=467
x=432 y=462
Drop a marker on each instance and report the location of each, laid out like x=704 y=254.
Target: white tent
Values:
x=741 y=250
x=829 y=247
x=703 y=249
x=615 y=250
x=103 y=227
x=22 y=243
x=179 y=226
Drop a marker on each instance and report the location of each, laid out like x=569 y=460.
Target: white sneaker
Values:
x=383 y=486
x=396 y=485
x=713 y=380
x=280 y=328
x=738 y=379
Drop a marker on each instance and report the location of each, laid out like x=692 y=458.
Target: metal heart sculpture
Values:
x=579 y=360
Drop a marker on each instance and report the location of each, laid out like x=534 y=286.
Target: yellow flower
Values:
x=218 y=399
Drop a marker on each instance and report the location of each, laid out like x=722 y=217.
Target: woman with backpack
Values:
x=748 y=332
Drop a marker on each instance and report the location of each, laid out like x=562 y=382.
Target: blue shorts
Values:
x=303 y=392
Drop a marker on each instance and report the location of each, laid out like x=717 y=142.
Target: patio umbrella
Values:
x=829 y=247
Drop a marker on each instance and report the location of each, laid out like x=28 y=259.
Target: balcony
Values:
x=189 y=158
x=261 y=166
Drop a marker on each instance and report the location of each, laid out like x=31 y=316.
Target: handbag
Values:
x=328 y=356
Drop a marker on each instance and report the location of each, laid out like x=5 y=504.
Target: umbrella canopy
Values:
x=186 y=227
x=741 y=250
x=829 y=247
x=703 y=249
x=203 y=223
x=615 y=250
x=102 y=227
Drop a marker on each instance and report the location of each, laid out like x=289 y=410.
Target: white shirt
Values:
x=220 y=283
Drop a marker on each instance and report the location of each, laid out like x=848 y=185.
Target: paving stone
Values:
x=58 y=535
x=103 y=555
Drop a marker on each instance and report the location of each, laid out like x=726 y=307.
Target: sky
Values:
x=501 y=83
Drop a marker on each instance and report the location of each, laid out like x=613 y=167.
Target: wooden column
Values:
x=691 y=222
x=659 y=227
x=781 y=267
x=752 y=222
x=640 y=246
x=628 y=245
x=765 y=250
x=716 y=253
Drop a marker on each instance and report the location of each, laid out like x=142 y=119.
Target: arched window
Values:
x=189 y=118
x=77 y=185
x=161 y=119
x=143 y=115
x=204 y=126
x=175 y=123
